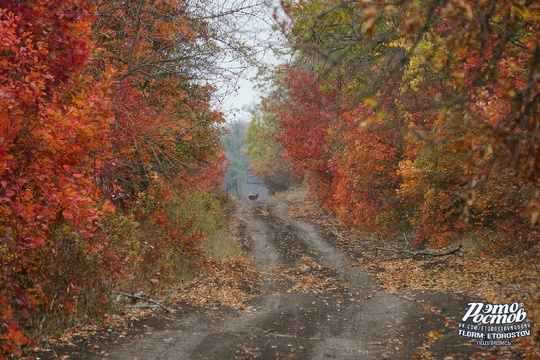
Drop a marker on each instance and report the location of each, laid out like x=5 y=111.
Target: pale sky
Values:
x=235 y=106
x=257 y=31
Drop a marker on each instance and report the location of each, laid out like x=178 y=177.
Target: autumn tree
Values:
x=163 y=119
x=270 y=160
x=305 y=120
x=54 y=122
x=102 y=102
x=235 y=149
x=456 y=81
x=464 y=75
x=365 y=169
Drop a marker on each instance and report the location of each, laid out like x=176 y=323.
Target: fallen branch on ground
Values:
x=413 y=254
x=153 y=303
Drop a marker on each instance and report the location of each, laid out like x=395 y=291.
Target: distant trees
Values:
x=235 y=149
x=264 y=147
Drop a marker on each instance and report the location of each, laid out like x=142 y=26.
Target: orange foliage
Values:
x=163 y=120
x=54 y=120
x=93 y=107
x=454 y=148
x=365 y=168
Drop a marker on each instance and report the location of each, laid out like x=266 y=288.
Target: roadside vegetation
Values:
x=110 y=160
x=414 y=117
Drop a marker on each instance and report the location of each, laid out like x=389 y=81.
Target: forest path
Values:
x=314 y=302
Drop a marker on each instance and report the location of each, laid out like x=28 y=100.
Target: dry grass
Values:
x=224 y=244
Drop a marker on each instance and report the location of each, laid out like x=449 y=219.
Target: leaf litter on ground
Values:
x=472 y=273
x=222 y=283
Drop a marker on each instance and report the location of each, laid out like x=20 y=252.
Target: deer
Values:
x=253 y=197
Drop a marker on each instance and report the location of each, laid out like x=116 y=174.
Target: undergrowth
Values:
x=152 y=245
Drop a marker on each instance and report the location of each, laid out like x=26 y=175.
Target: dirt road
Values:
x=314 y=303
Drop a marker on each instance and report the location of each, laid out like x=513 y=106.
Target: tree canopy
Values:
x=416 y=116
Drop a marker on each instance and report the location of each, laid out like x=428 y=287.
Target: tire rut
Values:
x=313 y=304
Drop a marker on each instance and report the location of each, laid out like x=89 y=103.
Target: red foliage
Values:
x=305 y=122
x=87 y=116
x=350 y=157
x=163 y=121
x=365 y=172
x=54 y=121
